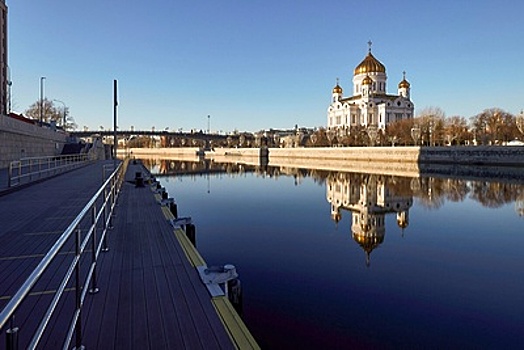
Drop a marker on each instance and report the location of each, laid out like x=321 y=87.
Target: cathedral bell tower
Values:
x=404 y=87
x=337 y=93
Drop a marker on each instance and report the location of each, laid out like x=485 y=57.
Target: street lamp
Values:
x=64 y=113
x=208 y=123
x=520 y=122
x=41 y=100
x=415 y=134
x=9 y=84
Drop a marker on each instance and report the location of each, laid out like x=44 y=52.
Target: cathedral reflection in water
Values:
x=369 y=198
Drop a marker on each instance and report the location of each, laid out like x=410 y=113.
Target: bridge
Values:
x=123 y=133
x=172 y=138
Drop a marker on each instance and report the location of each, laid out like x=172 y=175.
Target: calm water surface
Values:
x=333 y=260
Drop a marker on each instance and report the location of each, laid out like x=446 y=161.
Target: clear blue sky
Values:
x=260 y=63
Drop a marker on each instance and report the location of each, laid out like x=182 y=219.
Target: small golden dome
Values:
x=337 y=89
x=402 y=223
x=370 y=65
x=403 y=84
x=367 y=80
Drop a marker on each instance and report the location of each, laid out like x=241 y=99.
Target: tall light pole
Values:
x=115 y=124
x=208 y=123
x=63 y=112
x=41 y=100
x=9 y=84
x=520 y=122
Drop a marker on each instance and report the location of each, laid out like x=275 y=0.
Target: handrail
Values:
x=101 y=212
x=33 y=168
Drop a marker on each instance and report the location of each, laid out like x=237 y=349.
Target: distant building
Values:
x=370 y=104
x=4 y=80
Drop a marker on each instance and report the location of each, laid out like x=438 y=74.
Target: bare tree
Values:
x=399 y=132
x=431 y=123
x=455 y=130
x=494 y=126
x=50 y=112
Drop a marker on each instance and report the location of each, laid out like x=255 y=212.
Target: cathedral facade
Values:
x=369 y=103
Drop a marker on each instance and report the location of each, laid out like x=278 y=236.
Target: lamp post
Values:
x=41 y=100
x=9 y=84
x=520 y=122
x=208 y=123
x=64 y=113
x=415 y=134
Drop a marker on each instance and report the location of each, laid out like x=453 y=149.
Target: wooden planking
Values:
x=32 y=218
x=161 y=301
x=150 y=295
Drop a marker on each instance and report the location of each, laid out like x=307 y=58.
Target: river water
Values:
x=338 y=260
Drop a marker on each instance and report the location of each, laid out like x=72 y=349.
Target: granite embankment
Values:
x=491 y=161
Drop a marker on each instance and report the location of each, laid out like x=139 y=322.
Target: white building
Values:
x=370 y=104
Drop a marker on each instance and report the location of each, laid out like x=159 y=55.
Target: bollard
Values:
x=158 y=186
x=191 y=233
x=164 y=195
x=174 y=209
x=139 y=180
x=234 y=294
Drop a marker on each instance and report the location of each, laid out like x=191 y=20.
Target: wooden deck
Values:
x=151 y=296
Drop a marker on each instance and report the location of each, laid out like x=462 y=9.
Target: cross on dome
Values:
x=369 y=45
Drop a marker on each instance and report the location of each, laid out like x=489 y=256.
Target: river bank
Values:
x=487 y=155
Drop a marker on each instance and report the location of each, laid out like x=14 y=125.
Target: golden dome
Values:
x=402 y=223
x=370 y=65
x=367 y=80
x=404 y=83
x=337 y=89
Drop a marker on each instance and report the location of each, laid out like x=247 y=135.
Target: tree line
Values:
x=431 y=127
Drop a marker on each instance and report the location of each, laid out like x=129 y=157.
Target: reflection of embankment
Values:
x=480 y=163
x=474 y=163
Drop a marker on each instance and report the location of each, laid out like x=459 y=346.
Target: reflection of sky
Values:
x=452 y=278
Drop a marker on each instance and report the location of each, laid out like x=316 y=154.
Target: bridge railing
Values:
x=81 y=243
x=31 y=169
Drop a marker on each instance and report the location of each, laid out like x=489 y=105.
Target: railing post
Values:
x=94 y=283
x=10 y=174
x=78 y=292
x=113 y=193
x=105 y=248
x=110 y=201
x=11 y=336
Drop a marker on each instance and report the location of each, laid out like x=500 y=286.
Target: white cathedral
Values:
x=370 y=105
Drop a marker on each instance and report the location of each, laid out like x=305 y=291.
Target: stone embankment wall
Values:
x=488 y=155
x=189 y=153
x=501 y=162
x=470 y=162
x=20 y=140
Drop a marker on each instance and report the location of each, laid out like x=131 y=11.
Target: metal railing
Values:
x=87 y=235
x=31 y=169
